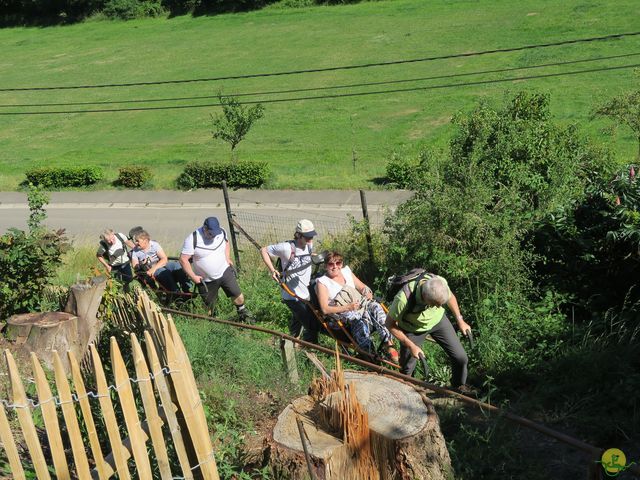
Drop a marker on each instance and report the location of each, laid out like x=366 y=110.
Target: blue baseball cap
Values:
x=213 y=225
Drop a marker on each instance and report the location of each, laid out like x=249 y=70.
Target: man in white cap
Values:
x=295 y=261
x=212 y=268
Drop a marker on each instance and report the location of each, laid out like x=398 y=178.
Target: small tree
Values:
x=236 y=120
x=623 y=110
x=28 y=260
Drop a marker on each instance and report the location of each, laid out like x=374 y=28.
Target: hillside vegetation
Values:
x=320 y=143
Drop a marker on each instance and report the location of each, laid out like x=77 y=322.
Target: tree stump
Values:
x=405 y=440
x=73 y=330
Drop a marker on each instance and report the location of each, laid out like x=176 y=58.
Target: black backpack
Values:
x=106 y=246
x=278 y=264
x=195 y=240
x=395 y=283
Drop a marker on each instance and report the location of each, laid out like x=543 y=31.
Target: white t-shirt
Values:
x=209 y=255
x=334 y=287
x=150 y=255
x=116 y=253
x=298 y=274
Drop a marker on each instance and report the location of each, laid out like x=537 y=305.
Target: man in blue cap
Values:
x=206 y=259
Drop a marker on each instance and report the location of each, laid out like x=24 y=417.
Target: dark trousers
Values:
x=229 y=284
x=445 y=336
x=122 y=272
x=302 y=317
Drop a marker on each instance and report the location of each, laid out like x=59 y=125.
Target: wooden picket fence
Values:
x=160 y=403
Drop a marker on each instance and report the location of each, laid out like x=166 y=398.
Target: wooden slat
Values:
x=191 y=407
x=109 y=416
x=183 y=359
x=19 y=397
x=151 y=409
x=128 y=404
x=10 y=446
x=169 y=408
x=71 y=421
x=50 y=416
x=85 y=406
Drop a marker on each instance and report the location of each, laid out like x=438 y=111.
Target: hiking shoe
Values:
x=467 y=391
x=245 y=316
x=393 y=355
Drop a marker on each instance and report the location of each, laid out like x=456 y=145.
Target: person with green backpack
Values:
x=417 y=311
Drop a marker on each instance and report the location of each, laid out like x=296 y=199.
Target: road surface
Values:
x=170 y=215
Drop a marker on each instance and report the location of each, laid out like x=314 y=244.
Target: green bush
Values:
x=400 y=171
x=130 y=9
x=134 y=176
x=61 y=177
x=29 y=260
x=211 y=175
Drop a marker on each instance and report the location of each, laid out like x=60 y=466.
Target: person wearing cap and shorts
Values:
x=410 y=321
x=206 y=259
x=295 y=259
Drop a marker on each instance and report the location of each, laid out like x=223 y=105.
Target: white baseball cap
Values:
x=306 y=228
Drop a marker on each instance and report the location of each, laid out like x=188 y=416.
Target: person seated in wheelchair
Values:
x=343 y=296
x=151 y=264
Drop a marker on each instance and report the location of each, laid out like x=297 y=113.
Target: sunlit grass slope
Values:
x=320 y=143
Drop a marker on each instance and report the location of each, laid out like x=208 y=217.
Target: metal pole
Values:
x=232 y=230
x=365 y=214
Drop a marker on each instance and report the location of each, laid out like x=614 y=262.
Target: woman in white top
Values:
x=341 y=294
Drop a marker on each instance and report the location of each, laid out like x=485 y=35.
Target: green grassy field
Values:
x=308 y=143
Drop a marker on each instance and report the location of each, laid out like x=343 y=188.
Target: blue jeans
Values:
x=171 y=275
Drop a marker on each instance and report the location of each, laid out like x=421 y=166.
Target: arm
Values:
x=266 y=258
x=162 y=261
x=362 y=288
x=104 y=262
x=323 y=300
x=395 y=330
x=455 y=309
x=186 y=266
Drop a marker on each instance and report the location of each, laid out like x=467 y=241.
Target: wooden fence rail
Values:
x=129 y=427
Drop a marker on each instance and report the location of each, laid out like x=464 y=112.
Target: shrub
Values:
x=61 y=177
x=133 y=176
x=28 y=260
x=211 y=175
x=130 y=9
x=400 y=171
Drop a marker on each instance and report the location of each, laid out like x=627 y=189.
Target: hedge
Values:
x=61 y=177
x=211 y=174
x=133 y=176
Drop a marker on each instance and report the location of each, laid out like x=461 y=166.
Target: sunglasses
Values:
x=334 y=264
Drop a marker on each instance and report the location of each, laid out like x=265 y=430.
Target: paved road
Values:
x=171 y=215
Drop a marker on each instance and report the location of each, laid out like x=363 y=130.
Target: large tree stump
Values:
x=73 y=329
x=404 y=435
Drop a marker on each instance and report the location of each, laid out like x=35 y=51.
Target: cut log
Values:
x=404 y=436
x=73 y=329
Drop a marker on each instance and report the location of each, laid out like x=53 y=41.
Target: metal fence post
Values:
x=232 y=230
x=365 y=214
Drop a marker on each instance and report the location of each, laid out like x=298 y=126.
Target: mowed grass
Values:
x=308 y=143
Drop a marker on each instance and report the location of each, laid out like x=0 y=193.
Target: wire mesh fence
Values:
x=269 y=229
